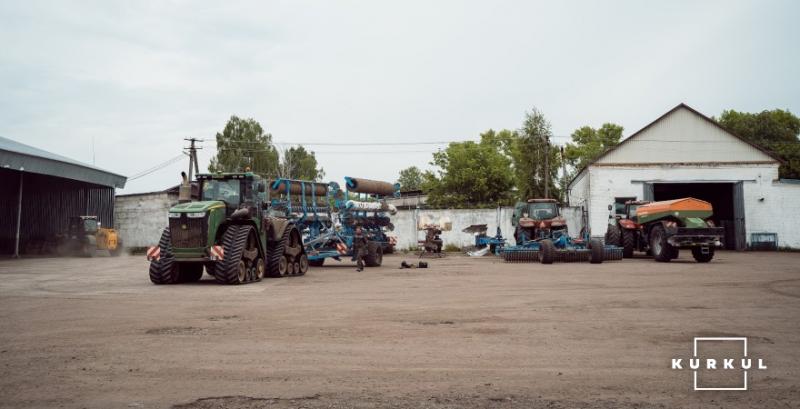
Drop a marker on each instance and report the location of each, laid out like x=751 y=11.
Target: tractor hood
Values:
x=194 y=207
x=528 y=222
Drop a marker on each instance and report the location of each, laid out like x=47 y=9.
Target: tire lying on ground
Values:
x=374 y=256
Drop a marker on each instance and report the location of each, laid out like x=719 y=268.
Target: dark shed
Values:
x=40 y=191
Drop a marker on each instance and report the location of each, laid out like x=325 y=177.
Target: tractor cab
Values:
x=235 y=190
x=80 y=226
x=537 y=219
x=630 y=209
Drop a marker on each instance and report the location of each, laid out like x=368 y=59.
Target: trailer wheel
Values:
x=662 y=251
x=700 y=257
x=628 y=242
x=547 y=252
x=612 y=235
x=596 y=254
x=165 y=269
x=374 y=256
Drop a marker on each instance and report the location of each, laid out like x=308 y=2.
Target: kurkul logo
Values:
x=697 y=364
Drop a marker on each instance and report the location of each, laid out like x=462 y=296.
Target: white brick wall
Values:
x=140 y=219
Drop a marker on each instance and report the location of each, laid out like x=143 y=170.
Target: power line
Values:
x=156 y=167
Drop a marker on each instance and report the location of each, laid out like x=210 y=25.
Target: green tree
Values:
x=411 y=178
x=470 y=174
x=299 y=163
x=776 y=131
x=536 y=159
x=243 y=143
x=589 y=143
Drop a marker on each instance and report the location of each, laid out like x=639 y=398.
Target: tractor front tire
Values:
x=700 y=257
x=596 y=251
x=628 y=243
x=165 y=269
x=547 y=252
x=374 y=257
x=232 y=269
x=612 y=235
x=661 y=249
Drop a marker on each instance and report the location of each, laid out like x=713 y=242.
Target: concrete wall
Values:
x=140 y=219
x=405 y=222
x=777 y=213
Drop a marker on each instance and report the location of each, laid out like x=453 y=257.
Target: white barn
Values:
x=685 y=153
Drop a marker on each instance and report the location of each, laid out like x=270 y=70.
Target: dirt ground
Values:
x=465 y=332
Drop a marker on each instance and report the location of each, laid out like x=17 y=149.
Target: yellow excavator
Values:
x=85 y=237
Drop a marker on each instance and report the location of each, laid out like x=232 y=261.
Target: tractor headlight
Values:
x=173 y=215
x=196 y=215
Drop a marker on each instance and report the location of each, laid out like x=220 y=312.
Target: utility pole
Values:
x=546 y=166
x=193 y=156
x=564 y=175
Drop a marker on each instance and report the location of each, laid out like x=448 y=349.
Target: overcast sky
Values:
x=137 y=77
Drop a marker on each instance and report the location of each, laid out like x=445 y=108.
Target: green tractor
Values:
x=230 y=232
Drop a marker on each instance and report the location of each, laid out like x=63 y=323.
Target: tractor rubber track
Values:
x=234 y=241
x=275 y=253
x=163 y=270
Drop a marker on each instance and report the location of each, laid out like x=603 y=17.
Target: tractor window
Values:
x=228 y=191
x=90 y=225
x=543 y=211
x=632 y=211
x=619 y=204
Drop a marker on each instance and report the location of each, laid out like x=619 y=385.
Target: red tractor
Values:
x=623 y=229
x=537 y=219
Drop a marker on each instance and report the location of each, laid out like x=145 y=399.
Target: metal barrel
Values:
x=296 y=187
x=375 y=187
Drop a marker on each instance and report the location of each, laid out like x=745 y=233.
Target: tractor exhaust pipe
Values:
x=185 y=190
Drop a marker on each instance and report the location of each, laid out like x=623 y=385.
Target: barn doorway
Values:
x=726 y=198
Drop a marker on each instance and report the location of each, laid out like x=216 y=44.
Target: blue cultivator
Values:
x=561 y=247
x=328 y=216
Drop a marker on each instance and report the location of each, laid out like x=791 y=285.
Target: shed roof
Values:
x=659 y=119
x=20 y=157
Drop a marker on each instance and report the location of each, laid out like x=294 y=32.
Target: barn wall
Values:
x=141 y=218
x=776 y=213
x=47 y=204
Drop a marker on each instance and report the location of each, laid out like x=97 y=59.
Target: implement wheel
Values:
x=596 y=251
x=700 y=257
x=547 y=252
x=662 y=251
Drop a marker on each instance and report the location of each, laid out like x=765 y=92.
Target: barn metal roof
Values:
x=26 y=158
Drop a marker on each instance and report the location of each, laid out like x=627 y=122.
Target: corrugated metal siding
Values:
x=684 y=137
x=47 y=204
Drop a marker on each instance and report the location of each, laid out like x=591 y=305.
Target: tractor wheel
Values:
x=662 y=251
x=374 y=256
x=189 y=272
x=613 y=235
x=240 y=254
x=547 y=252
x=628 y=242
x=165 y=269
x=88 y=250
x=303 y=268
x=596 y=251
x=316 y=263
x=700 y=257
